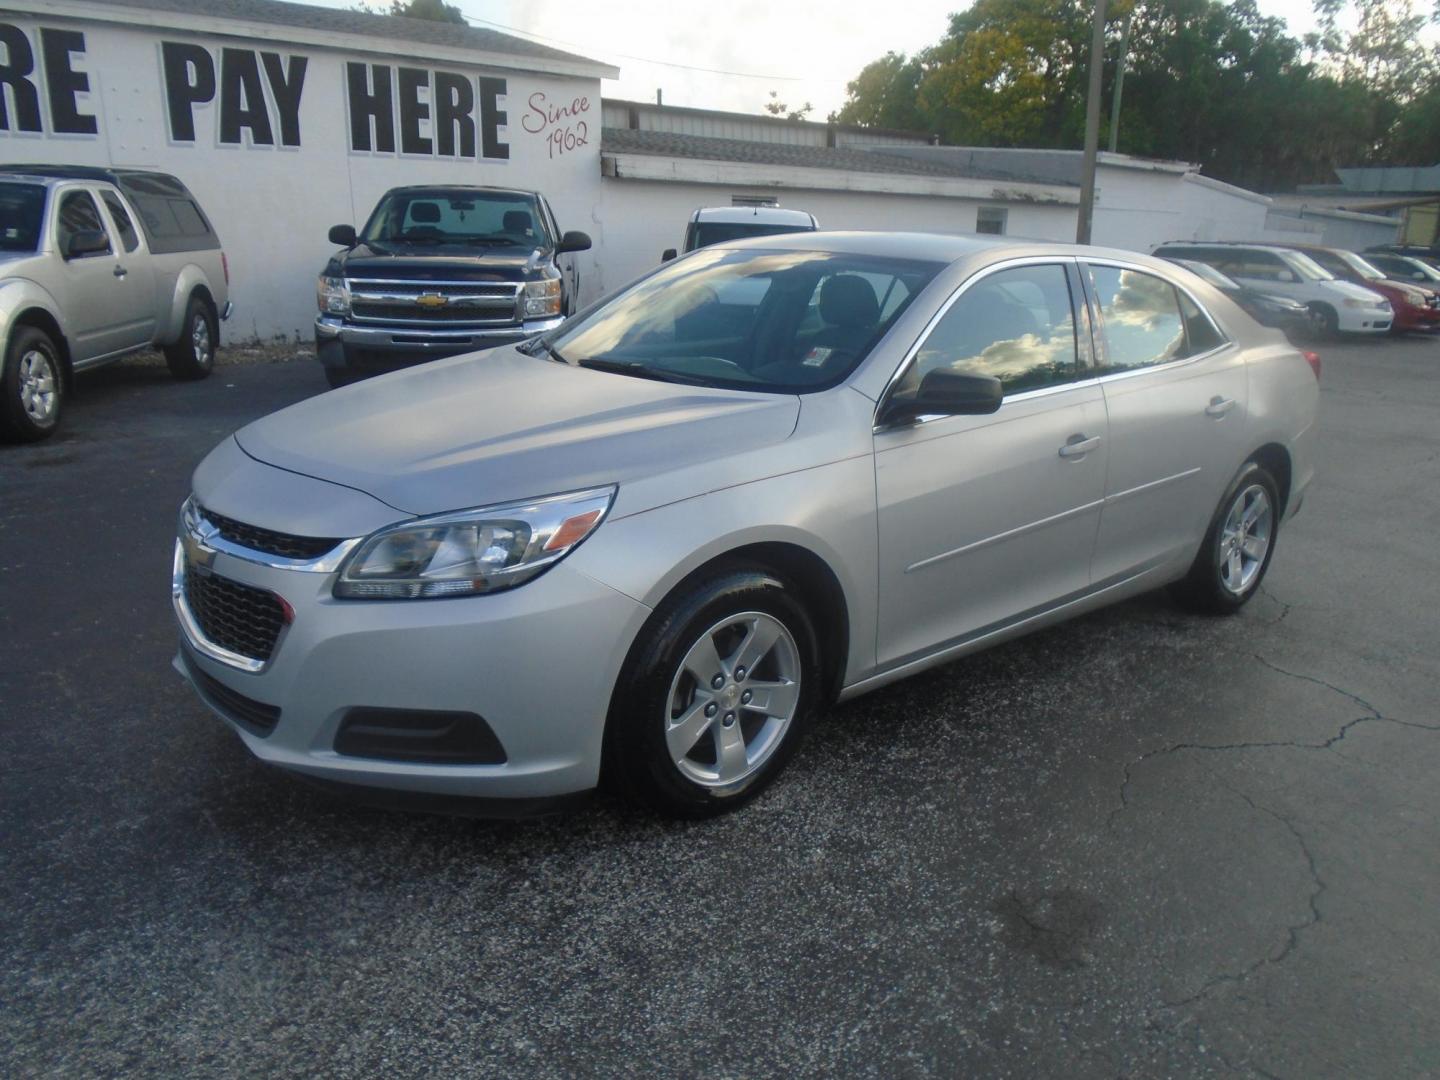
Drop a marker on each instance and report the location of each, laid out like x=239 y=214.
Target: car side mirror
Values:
x=86 y=242
x=944 y=393
x=1418 y=276
x=1284 y=275
x=667 y=255
x=573 y=241
x=344 y=235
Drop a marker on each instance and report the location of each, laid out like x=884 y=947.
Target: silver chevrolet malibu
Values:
x=654 y=545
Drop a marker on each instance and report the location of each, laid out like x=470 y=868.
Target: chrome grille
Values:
x=285 y=545
x=425 y=303
x=239 y=618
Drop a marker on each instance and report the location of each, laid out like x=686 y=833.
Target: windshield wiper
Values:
x=497 y=241
x=538 y=345
x=639 y=370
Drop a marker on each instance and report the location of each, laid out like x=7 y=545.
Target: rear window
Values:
x=21 y=212
x=721 y=232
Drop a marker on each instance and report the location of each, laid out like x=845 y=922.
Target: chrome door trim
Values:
x=1009 y=533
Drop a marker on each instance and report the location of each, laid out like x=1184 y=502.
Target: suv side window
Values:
x=78 y=213
x=123 y=224
x=1140 y=315
x=1017 y=325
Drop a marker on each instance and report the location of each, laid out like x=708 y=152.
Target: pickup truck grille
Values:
x=377 y=301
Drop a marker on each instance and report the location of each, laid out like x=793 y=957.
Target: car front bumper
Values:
x=339 y=344
x=538 y=663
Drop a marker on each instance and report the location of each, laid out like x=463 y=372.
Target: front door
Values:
x=983 y=519
x=98 y=307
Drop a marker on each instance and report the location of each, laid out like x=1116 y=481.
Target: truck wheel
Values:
x=338 y=377
x=32 y=387
x=193 y=356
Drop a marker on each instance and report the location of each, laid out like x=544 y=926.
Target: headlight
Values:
x=542 y=298
x=471 y=551
x=1379 y=302
x=1414 y=297
x=333 y=295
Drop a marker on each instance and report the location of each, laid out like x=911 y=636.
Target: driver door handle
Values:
x=1078 y=446
x=1219 y=406
x=120 y=271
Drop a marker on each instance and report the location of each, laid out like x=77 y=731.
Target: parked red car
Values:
x=1417 y=307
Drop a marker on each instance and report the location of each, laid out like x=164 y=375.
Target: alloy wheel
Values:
x=1245 y=538
x=200 y=340
x=38 y=386
x=733 y=699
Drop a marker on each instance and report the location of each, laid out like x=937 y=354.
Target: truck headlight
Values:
x=542 y=298
x=471 y=551
x=332 y=294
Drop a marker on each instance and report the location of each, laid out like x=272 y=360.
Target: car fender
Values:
x=827 y=512
x=20 y=295
x=190 y=278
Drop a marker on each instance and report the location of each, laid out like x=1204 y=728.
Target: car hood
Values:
x=494 y=427
x=441 y=262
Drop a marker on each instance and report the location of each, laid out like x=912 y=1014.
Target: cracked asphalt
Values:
x=1140 y=844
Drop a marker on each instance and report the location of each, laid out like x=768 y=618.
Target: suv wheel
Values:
x=193 y=356
x=32 y=386
x=716 y=695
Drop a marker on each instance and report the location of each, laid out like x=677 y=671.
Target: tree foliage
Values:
x=1215 y=83
x=433 y=10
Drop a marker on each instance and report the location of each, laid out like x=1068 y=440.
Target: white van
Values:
x=1335 y=305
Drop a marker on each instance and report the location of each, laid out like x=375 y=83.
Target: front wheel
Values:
x=1322 y=322
x=193 y=356
x=715 y=696
x=1238 y=545
x=32 y=387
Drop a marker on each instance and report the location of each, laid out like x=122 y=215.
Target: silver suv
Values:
x=95 y=264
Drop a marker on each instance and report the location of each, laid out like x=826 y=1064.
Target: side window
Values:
x=1257 y=265
x=1141 y=317
x=1017 y=325
x=78 y=213
x=122 y=221
x=1200 y=329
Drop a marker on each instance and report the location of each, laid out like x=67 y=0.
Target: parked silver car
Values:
x=656 y=543
x=94 y=265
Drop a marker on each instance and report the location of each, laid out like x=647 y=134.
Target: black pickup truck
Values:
x=441 y=270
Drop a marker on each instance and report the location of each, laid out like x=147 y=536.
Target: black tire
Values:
x=1324 y=323
x=339 y=376
x=193 y=356
x=32 y=386
x=638 y=761
x=1209 y=587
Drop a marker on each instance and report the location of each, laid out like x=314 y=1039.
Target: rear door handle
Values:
x=119 y=271
x=1079 y=445
x=1219 y=406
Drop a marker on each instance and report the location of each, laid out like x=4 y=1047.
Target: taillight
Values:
x=1313 y=359
x=225 y=265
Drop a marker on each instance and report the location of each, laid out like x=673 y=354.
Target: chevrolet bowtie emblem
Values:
x=432 y=300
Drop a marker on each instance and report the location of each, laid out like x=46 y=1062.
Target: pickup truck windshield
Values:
x=22 y=209
x=774 y=321
x=429 y=216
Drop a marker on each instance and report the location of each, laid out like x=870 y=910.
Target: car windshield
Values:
x=1366 y=270
x=771 y=320
x=428 y=216
x=705 y=233
x=1210 y=274
x=22 y=208
x=1305 y=267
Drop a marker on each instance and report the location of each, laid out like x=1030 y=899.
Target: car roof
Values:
x=440 y=189
x=762 y=215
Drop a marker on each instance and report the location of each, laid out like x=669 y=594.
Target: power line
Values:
x=645 y=59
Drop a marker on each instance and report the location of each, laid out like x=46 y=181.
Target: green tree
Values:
x=885 y=94
x=433 y=10
x=776 y=107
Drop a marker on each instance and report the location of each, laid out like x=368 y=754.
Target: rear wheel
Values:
x=1323 y=323
x=1238 y=545
x=32 y=386
x=193 y=356
x=716 y=695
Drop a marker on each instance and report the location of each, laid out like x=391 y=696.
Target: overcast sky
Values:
x=805 y=50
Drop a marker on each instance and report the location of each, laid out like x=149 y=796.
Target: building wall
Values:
x=1334 y=231
x=272 y=203
x=647 y=217
x=1138 y=210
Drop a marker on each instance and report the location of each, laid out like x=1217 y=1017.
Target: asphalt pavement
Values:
x=1143 y=843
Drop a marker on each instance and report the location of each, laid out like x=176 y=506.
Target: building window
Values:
x=991 y=220
x=754 y=200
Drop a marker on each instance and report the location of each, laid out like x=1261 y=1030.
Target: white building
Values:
x=285 y=119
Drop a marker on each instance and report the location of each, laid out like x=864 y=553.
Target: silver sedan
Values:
x=653 y=546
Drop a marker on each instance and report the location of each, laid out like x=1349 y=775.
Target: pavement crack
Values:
x=1292 y=932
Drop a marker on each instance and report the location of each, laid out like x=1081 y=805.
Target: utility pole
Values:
x=1092 y=128
x=1120 y=78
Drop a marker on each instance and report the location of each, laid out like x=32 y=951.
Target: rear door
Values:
x=1175 y=393
x=134 y=272
x=983 y=519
